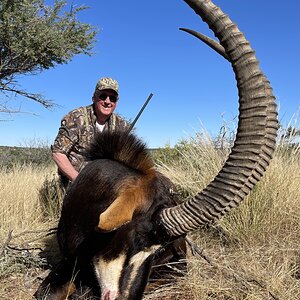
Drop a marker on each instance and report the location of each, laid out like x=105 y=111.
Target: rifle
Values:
x=140 y=112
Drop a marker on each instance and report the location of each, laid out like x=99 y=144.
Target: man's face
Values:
x=105 y=102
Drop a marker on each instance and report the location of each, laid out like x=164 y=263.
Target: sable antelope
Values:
x=119 y=213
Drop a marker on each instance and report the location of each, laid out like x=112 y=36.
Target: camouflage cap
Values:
x=107 y=83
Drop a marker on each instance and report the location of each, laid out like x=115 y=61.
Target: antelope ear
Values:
x=121 y=211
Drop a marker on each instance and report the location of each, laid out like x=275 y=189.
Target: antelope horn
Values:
x=208 y=41
x=256 y=134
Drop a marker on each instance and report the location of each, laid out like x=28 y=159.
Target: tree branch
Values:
x=35 y=97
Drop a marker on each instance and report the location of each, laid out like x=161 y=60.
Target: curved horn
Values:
x=208 y=41
x=256 y=133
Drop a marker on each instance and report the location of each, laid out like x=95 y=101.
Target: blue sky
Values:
x=140 y=45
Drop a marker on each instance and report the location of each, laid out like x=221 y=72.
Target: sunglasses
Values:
x=112 y=98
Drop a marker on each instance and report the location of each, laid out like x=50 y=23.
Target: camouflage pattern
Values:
x=77 y=131
x=107 y=83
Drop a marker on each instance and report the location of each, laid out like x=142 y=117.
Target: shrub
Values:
x=50 y=197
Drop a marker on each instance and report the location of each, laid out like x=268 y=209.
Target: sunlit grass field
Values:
x=253 y=253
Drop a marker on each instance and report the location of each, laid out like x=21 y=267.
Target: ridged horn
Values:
x=208 y=41
x=256 y=134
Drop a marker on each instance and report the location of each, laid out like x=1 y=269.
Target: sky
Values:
x=139 y=44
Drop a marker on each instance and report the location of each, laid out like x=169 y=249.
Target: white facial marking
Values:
x=108 y=274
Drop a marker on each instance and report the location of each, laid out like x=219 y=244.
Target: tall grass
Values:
x=22 y=227
x=19 y=198
x=195 y=162
x=255 y=249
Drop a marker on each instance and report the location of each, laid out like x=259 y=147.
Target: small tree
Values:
x=35 y=37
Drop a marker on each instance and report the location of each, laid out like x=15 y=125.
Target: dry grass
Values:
x=253 y=252
x=19 y=194
x=196 y=163
x=23 y=229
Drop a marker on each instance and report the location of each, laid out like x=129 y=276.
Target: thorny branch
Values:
x=41 y=234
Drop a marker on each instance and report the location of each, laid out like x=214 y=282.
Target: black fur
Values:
x=121 y=147
x=113 y=159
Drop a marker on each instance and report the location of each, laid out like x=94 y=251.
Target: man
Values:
x=79 y=126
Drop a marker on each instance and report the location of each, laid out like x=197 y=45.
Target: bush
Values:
x=51 y=196
x=35 y=155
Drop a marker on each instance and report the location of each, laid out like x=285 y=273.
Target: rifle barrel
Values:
x=140 y=112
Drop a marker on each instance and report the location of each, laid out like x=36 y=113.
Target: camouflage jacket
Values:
x=77 y=130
